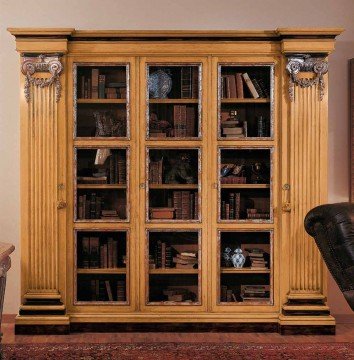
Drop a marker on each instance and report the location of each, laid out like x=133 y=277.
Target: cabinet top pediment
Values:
x=72 y=34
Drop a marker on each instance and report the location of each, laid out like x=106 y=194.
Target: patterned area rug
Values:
x=178 y=351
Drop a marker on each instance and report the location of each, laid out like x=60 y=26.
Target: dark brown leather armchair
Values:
x=332 y=228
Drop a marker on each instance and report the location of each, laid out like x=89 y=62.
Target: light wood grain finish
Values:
x=42 y=190
x=308 y=173
x=298 y=157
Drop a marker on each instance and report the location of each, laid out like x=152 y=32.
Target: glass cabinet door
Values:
x=103 y=147
x=172 y=179
x=244 y=158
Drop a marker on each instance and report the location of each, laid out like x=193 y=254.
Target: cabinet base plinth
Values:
x=42 y=325
x=307 y=329
x=173 y=327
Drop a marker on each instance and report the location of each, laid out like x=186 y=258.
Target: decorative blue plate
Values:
x=160 y=84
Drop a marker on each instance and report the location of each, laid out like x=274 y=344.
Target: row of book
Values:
x=117 y=168
x=156 y=172
x=95 y=86
x=107 y=290
x=96 y=255
x=185 y=204
x=232 y=86
x=90 y=206
x=230 y=209
x=189 y=82
x=184 y=121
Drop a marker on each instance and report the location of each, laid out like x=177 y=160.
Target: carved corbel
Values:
x=40 y=64
x=305 y=63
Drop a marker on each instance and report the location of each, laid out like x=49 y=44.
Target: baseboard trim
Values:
x=8 y=318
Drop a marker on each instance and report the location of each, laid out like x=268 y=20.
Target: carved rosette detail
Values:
x=42 y=63
x=306 y=63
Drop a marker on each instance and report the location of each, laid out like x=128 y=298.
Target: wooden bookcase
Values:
x=152 y=162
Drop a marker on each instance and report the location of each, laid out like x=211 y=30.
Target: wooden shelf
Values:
x=173 y=271
x=245 y=186
x=173 y=186
x=101 y=186
x=245 y=101
x=101 y=101
x=173 y=101
x=102 y=271
x=231 y=270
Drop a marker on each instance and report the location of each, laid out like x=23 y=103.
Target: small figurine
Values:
x=258 y=176
x=238 y=259
x=227 y=257
x=181 y=170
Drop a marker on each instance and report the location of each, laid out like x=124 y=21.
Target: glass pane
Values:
x=245 y=267
x=173 y=184
x=245 y=189
x=245 y=101
x=102 y=101
x=101 y=266
x=174 y=103
x=174 y=265
x=101 y=175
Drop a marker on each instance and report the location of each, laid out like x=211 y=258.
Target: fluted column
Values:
x=42 y=185
x=306 y=188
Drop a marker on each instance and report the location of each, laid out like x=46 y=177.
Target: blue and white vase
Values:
x=238 y=259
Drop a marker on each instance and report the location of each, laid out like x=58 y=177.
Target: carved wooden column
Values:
x=306 y=188
x=43 y=188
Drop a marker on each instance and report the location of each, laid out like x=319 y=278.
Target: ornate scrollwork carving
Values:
x=304 y=62
x=42 y=63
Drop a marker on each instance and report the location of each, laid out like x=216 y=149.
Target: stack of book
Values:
x=255 y=293
x=109 y=214
x=117 y=168
x=178 y=294
x=185 y=204
x=227 y=295
x=186 y=260
x=189 y=82
x=101 y=290
x=231 y=126
x=89 y=206
x=156 y=171
x=162 y=255
x=230 y=209
x=183 y=121
x=232 y=86
x=96 y=87
x=257 y=258
x=233 y=179
x=102 y=179
x=162 y=213
x=254 y=214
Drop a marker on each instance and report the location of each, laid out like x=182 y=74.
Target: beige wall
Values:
x=166 y=14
